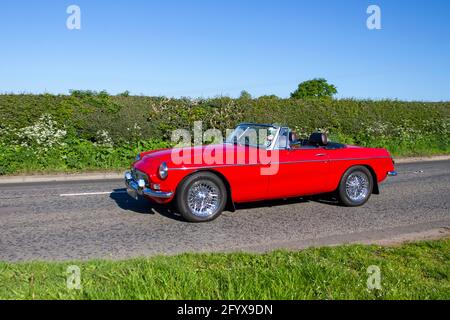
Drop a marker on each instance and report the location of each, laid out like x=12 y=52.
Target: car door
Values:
x=246 y=179
x=301 y=171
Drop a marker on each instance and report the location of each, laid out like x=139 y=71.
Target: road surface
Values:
x=97 y=219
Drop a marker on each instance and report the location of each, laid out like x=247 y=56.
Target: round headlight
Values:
x=138 y=157
x=163 y=171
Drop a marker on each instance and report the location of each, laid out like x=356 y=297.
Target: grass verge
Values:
x=412 y=271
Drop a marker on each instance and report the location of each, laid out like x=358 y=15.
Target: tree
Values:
x=269 y=97
x=245 y=95
x=315 y=88
x=126 y=93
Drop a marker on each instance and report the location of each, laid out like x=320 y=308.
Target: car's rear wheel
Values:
x=201 y=197
x=356 y=186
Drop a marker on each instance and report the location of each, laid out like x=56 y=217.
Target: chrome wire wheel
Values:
x=203 y=198
x=357 y=186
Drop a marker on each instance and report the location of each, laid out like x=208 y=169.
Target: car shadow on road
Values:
x=143 y=206
x=269 y=203
x=329 y=199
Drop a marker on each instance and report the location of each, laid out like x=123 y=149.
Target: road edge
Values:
x=61 y=177
x=119 y=175
x=421 y=159
x=384 y=237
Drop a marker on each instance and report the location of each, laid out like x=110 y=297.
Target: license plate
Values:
x=132 y=193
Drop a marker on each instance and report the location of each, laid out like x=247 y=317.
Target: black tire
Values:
x=364 y=178
x=199 y=180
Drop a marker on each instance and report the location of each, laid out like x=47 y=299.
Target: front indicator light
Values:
x=156 y=186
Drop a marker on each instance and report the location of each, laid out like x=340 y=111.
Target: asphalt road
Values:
x=62 y=221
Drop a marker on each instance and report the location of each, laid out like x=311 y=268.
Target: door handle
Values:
x=321 y=154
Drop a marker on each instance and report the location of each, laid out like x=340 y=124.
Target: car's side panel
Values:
x=243 y=174
x=300 y=172
x=246 y=182
x=341 y=160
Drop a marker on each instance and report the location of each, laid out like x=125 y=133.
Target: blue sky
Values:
x=220 y=47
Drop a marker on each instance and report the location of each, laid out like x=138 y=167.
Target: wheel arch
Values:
x=376 y=189
x=230 y=203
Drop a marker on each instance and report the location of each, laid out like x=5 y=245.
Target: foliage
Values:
x=315 y=88
x=245 y=95
x=80 y=131
x=412 y=271
x=126 y=93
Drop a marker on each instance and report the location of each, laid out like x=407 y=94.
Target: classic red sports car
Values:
x=257 y=162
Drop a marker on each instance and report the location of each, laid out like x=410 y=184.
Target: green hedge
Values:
x=102 y=131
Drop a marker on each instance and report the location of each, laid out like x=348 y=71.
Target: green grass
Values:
x=412 y=271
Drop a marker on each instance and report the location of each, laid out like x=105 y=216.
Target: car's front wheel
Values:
x=201 y=197
x=356 y=186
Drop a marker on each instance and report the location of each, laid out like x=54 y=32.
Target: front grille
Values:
x=136 y=174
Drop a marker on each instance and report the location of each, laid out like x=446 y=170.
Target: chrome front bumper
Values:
x=138 y=188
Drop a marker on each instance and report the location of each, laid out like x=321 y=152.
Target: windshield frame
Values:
x=229 y=139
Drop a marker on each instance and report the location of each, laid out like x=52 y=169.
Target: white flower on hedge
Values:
x=103 y=139
x=377 y=129
x=45 y=133
x=136 y=127
x=135 y=131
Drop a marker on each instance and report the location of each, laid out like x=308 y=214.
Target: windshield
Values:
x=255 y=135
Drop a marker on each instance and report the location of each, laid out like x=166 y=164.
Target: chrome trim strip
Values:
x=351 y=159
x=302 y=161
x=157 y=194
x=287 y=162
x=219 y=166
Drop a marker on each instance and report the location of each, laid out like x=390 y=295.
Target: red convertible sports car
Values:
x=257 y=162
